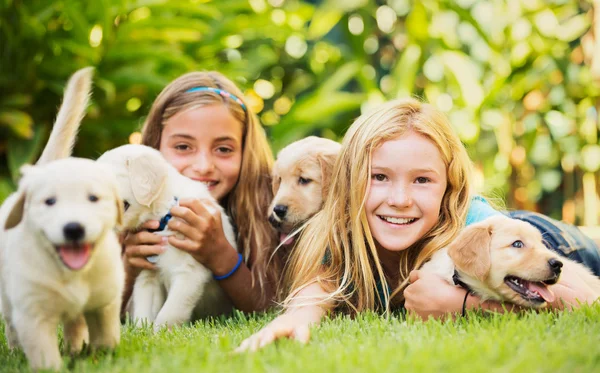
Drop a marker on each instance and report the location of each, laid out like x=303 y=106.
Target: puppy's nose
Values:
x=555 y=265
x=73 y=231
x=280 y=210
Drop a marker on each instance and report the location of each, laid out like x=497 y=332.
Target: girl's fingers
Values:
x=151 y=224
x=142 y=238
x=413 y=276
x=267 y=337
x=187 y=214
x=142 y=251
x=201 y=207
x=302 y=334
x=141 y=263
x=183 y=244
x=184 y=228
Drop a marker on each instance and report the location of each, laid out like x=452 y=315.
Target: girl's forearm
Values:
x=245 y=294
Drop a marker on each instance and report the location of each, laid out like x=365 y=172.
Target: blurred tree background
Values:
x=518 y=78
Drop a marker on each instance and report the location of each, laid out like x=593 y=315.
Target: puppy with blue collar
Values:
x=181 y=288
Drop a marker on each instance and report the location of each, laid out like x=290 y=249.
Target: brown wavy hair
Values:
x=248 y=201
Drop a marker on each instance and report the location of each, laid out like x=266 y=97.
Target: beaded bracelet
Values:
x=237 y=265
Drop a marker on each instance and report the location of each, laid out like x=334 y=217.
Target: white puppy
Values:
x=60 y=260
x=150 y=186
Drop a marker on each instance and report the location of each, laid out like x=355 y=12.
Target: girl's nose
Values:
x=400 y=197
x=203 y=164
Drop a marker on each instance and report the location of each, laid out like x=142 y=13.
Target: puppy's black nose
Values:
x=73 y=231
x=280 y=210
x=555 y=265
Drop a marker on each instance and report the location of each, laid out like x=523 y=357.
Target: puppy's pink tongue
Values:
x=542 y=290
x=75 y=256
x=285 y=239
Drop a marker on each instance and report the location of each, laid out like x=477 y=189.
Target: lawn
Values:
x=531 y=342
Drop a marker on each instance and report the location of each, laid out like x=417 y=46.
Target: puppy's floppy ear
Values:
x=326 y=161
x=470 y=251
x=148 y=176
x=16 y=211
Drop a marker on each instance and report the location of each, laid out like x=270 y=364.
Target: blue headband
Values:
x=220 y=92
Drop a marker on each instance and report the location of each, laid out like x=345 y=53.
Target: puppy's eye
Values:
x=93 y=198
x=50 y=201
x=303 y=180
x=125 y=205
x=518 y=244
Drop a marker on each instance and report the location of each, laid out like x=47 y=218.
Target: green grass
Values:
x=530 y=342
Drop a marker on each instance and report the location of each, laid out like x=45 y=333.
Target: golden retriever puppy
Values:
x=301 y=177
x=181 y=287
x=61 y=260
x=505 y=259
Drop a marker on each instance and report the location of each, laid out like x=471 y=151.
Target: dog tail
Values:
x=75 y=101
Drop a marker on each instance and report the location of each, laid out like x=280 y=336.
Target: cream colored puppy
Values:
x=301 y=177
x=61 y=260
x=181 y=287
x=505 y=259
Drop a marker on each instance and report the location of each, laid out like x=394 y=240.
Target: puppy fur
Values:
x=182 y=287
x=52 y=273
x=43 y=352
x=486 y=258
x=301 y=176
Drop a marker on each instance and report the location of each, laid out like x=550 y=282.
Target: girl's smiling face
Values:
x=408 y=182
x=205 y=144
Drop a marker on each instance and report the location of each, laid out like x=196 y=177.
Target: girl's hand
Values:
x=294 y=324
x=199 y=221
x=140 y=245
x=429 y=295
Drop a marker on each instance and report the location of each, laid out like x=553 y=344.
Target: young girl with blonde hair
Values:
x=204 y=128
x=400 y=191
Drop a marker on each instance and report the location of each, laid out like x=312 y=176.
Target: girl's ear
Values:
x=470 y=251
x=326 y=161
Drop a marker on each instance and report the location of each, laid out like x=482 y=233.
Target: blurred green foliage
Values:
x=513 y=76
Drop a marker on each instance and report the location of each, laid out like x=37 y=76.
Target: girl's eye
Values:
x=50 y=201
x=422 y=180
x=93 y=198
x=518 y=244
x=224 y=149
x=379 y=177
x=303 y=180
x=125 y=205
x=182 y=147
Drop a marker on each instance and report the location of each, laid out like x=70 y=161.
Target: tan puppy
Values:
x=60 y=260
x=301 y=177
x=505 y=259
x=181 y=287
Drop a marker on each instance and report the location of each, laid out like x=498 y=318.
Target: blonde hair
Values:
x=248 y=201
x=337 y=248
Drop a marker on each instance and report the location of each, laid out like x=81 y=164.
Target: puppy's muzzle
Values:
x=280 y=211
x=74 y=231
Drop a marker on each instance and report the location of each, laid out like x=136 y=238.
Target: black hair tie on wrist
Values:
x=459 y=282
x=464 y=307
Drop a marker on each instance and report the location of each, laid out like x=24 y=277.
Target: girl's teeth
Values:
x=389 y=219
